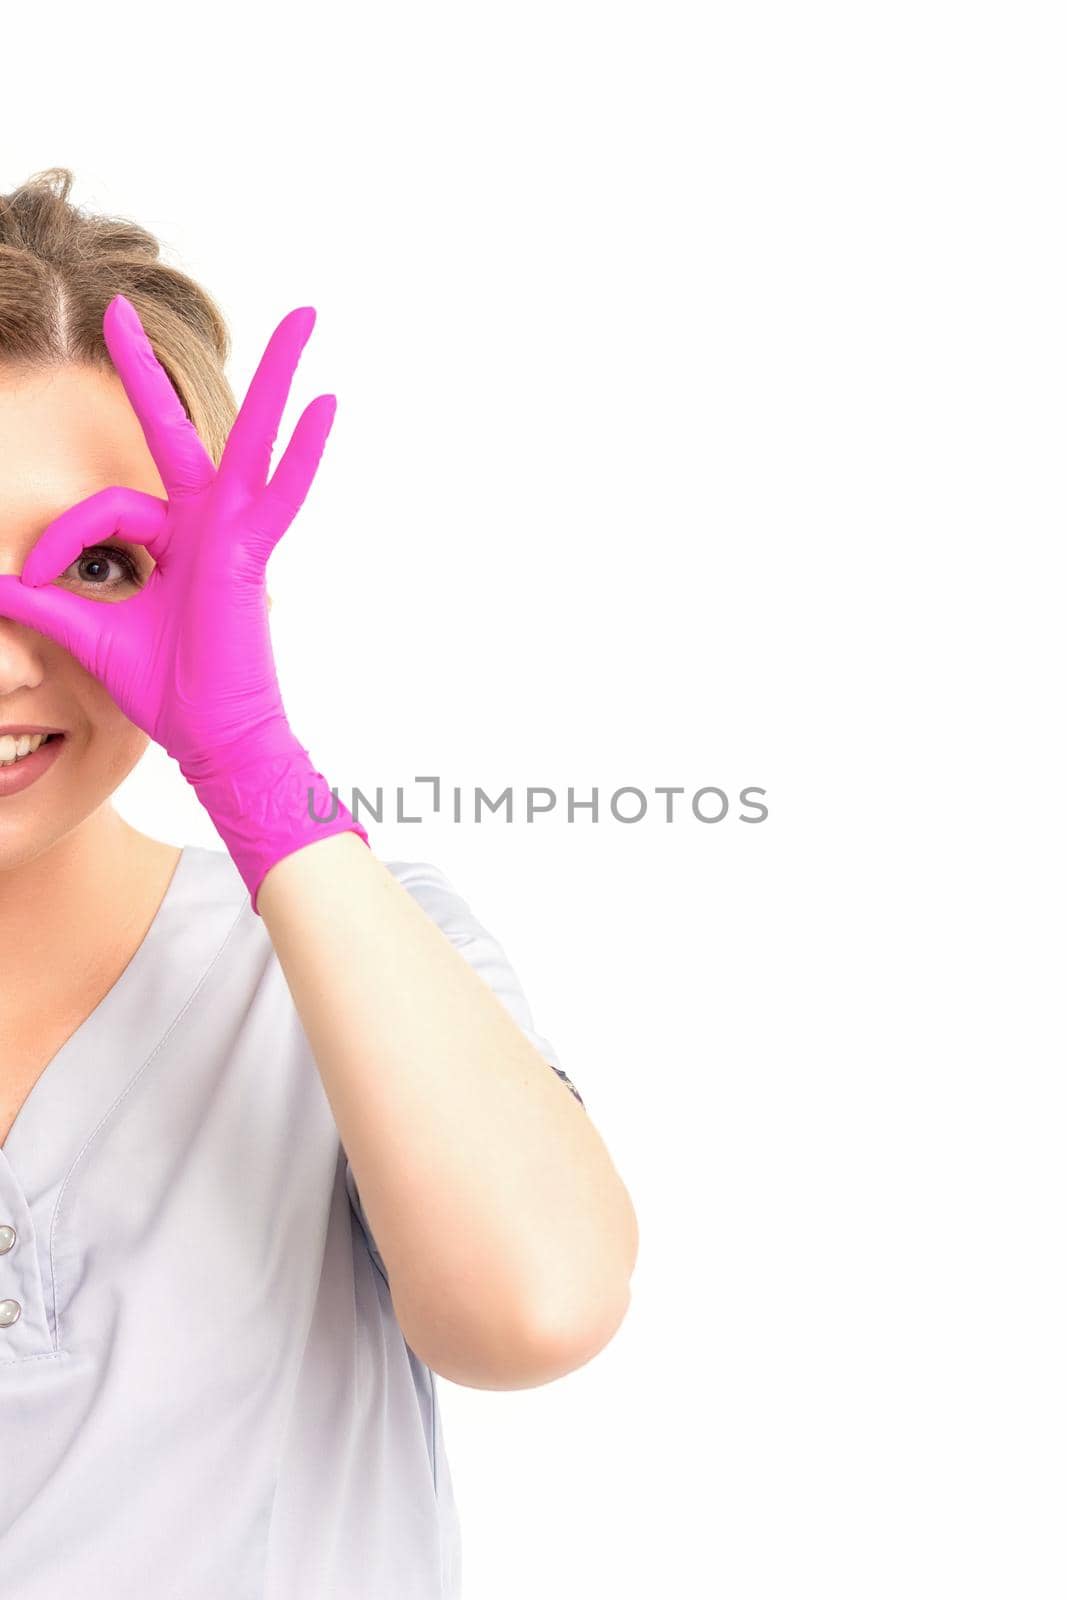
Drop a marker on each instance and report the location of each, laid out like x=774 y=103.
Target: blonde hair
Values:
x=61 y=265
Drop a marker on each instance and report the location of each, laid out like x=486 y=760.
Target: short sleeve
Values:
x=442 y=902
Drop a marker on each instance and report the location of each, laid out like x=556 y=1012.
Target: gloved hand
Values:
x=188 y=657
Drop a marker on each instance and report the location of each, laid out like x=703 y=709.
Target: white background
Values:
x=701 y=402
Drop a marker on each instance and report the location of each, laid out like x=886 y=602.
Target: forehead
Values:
x=66 y=431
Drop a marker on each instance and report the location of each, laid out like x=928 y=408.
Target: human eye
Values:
x=90 y=569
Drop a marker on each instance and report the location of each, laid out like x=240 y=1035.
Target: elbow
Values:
x=569 y=1336
x=528 y=1354
x=573 y=1320
x=561 y=1328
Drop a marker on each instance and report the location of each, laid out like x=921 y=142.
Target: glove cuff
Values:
x=270 y=807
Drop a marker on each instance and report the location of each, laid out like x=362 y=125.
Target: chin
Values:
x=71 y=792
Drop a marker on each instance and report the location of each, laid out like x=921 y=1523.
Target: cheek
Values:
x=111 y=741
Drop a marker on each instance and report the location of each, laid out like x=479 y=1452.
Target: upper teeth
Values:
x=13 y=749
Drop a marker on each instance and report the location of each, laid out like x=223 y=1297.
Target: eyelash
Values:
x=112 y=553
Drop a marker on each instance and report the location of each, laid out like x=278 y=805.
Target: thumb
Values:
x=73 y=621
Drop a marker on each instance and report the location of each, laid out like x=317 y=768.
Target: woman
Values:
x=212 y=1382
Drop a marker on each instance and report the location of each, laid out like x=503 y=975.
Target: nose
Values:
x=21 y=649
x=21 y=657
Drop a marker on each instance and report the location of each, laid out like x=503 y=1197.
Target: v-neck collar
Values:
x=94 y=1067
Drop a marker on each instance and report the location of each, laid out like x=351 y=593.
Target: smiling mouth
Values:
x=13 y=750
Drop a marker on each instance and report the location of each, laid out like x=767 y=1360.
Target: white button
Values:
x=7 y=1238
x=10 y=1311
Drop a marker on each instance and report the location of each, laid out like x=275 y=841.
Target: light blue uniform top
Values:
x=204 y=1390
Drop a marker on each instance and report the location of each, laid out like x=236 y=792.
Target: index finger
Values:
x=177 y=449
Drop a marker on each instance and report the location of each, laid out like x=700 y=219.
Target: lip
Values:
x=15 y=728
x=22 y=773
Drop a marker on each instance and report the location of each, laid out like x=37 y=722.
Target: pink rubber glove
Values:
x=188 y=658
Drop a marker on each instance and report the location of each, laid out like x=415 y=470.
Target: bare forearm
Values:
x=494 y=1201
